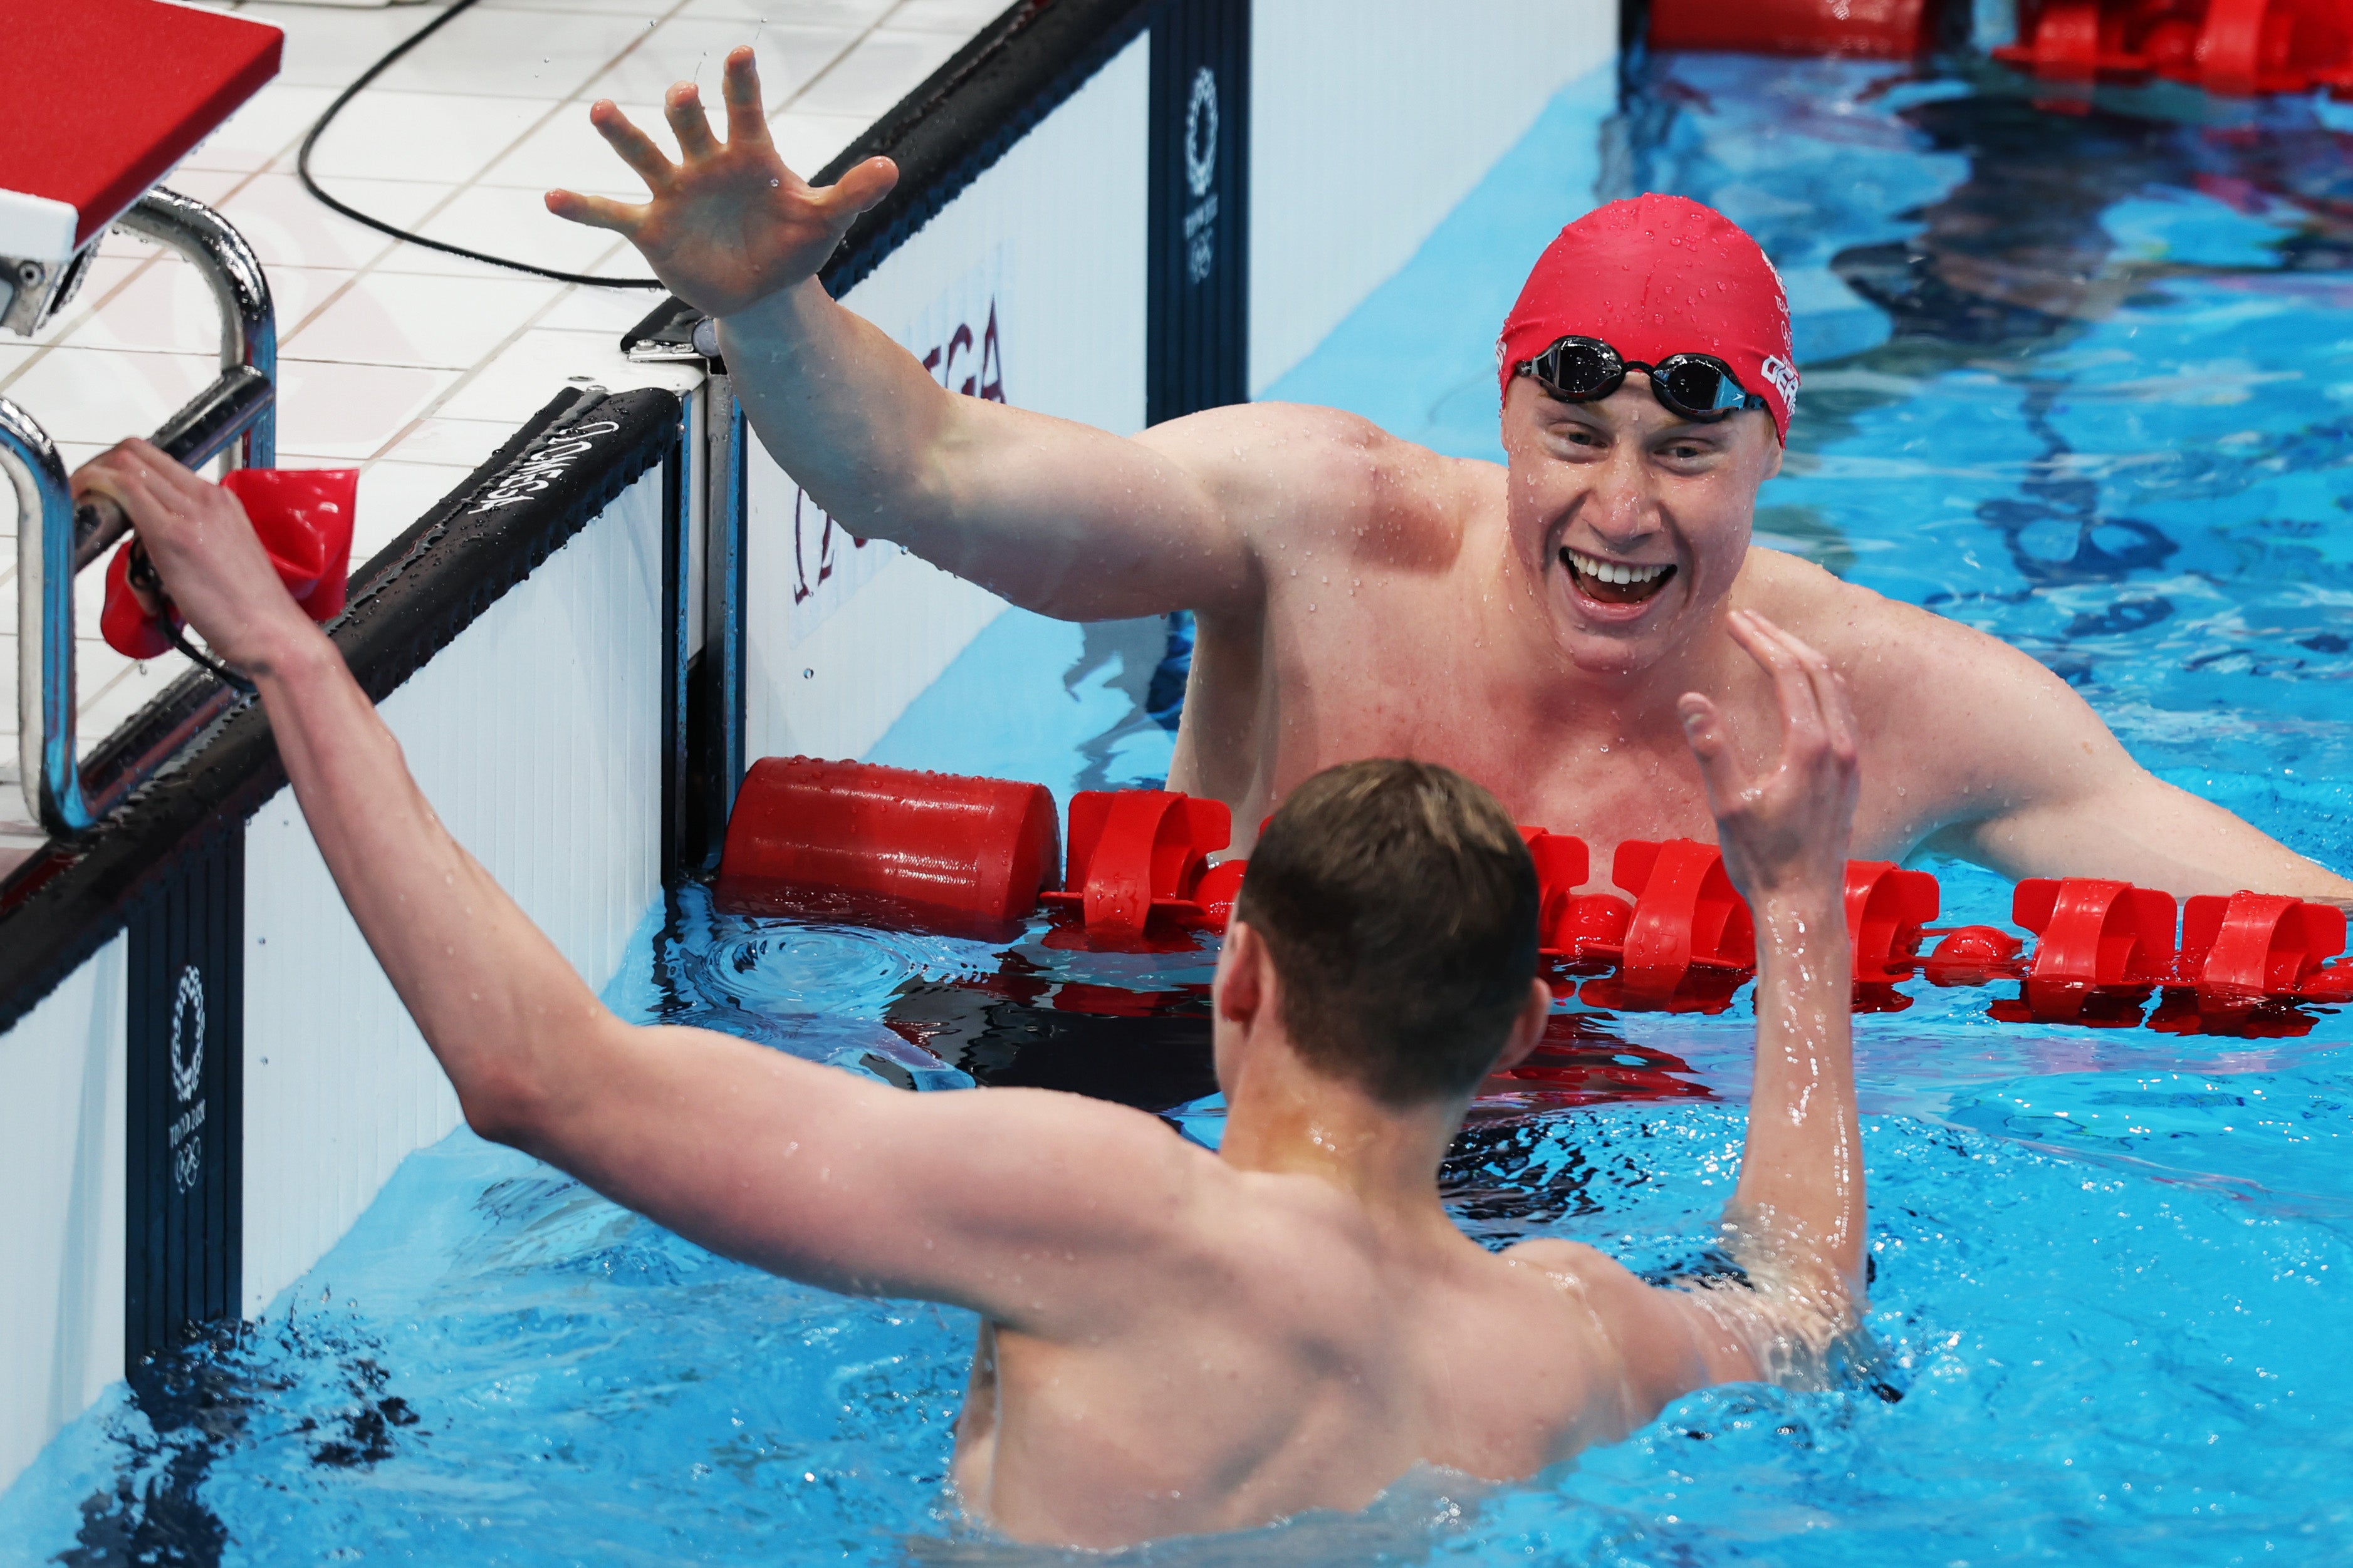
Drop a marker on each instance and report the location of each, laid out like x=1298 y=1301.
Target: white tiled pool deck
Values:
x=408 y=363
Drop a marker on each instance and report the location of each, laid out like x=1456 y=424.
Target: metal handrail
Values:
x=248 y=320
x=235 y=416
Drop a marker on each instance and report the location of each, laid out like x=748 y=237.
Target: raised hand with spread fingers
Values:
x=728 y=225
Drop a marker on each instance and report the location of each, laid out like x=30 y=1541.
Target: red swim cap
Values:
x=1658 y=275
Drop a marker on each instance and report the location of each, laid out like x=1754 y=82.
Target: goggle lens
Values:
x=1582 y=369
x=1696 y=387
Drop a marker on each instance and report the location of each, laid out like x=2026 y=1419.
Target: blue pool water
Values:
x=2084 y=380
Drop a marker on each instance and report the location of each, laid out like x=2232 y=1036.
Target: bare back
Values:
x=1300 y=1355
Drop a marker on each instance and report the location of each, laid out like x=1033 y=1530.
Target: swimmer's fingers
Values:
x=596 y=212
x=1832 y=710
x=748 y=124
x=1804 y=735
x=637 y=149
x=682 y=107
x=1704 y=730
x=859 y=189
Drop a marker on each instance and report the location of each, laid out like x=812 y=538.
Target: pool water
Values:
x=2083 y=379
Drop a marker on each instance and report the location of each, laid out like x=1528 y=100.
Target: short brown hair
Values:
x=1399 y=905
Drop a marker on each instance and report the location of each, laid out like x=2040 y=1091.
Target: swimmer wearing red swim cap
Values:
x=1564 y=627
x=1658 y=282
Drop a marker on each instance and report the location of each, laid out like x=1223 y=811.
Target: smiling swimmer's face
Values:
x=1633 y=521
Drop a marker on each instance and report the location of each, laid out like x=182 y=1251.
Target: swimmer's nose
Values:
x=1622 y=508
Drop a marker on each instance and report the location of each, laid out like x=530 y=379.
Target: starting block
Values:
x=73 y=163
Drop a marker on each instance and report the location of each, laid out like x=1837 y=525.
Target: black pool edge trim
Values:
x=410 y=601
x=960 y=120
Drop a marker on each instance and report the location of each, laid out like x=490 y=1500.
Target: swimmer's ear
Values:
x=1240 y=992
x=1527 y=1030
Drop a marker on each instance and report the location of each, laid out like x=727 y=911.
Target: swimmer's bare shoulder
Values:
x=1917 y=675
x=1642 y=1346
x=1993 y=756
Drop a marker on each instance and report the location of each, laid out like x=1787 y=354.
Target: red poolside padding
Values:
x=100 y=98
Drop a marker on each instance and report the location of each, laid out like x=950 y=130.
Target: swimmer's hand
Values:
x=205 y=549
x=1784 y=833
x=730 y=224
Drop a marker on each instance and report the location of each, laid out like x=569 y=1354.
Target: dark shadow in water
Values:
x=228 y=1387
x=1151 y=1049
x=1147 y=1049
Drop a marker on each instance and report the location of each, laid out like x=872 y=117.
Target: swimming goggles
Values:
x=1699 y=387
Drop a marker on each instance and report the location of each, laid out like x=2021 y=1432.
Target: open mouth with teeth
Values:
x=1614 y=582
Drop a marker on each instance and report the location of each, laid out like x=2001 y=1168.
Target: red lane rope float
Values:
x=1137 y=855
x=2105 y=946
x=887 y=846
x=978 y=856
x=2234 y=47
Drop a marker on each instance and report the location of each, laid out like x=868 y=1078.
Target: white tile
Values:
x=511 y=54
x=271 y=123
x=468 y=443
x=535 y=368
x=438 y=136
x=107 y=274
x=13 y=356
x=858 y=13
x=505 y=222
x=170 y=307
x=883 y=69
x=645 y=12
x=95 y=394
x=686 y=50
x=608 y=310
x=543 y=364
x=287 y=226
x=348 y=412
x=567 y=152
x=409 y=319
x=962 y=18
x=393 y=496
x=329 y=49
x=807 y=142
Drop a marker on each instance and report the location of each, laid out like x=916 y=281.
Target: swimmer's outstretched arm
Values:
x=1797 y=1214
x=1046 y=1212
x=2041 y=787
x=1795 y=1224
x=1057 y=516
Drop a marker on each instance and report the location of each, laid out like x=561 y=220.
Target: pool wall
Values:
x=1083 y=228
x=1364 y=124
x=199 y=1108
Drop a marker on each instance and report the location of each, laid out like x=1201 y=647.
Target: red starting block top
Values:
x=100 y=98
